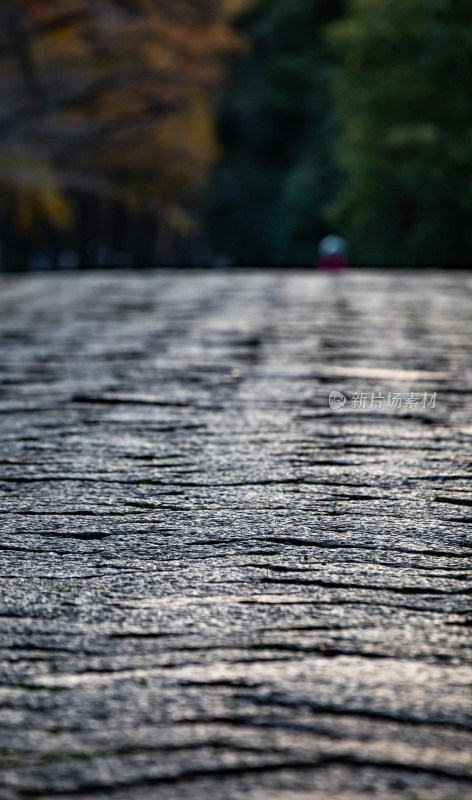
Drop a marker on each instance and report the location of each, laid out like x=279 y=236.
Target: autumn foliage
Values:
x=109 y=97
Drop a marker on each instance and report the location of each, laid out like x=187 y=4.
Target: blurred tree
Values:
x=111 y=98
x=276 y=131
x=404 y=100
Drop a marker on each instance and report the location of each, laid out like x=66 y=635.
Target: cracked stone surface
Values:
x=213 y=584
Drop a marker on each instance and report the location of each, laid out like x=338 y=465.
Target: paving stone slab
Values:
x=214 y=584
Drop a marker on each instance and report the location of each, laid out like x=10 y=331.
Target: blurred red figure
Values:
x=332 y=254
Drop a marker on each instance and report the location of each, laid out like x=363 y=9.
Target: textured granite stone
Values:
x=213 y=584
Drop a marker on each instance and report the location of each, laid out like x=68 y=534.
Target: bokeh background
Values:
x=221 y=132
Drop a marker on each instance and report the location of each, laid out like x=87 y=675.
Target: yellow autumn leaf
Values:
x=45 y=203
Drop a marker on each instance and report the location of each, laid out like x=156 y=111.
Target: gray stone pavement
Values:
x=214 y=585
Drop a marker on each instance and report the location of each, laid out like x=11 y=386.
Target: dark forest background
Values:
x=194 y=132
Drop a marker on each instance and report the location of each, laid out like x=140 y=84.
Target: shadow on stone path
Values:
x=213 y=584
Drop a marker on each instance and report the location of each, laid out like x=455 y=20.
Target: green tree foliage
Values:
x=276 y=130
x=404 y=99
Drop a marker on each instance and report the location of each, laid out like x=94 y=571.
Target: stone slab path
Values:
x=214 y=585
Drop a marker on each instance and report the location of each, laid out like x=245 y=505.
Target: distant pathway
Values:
x=214 y=585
